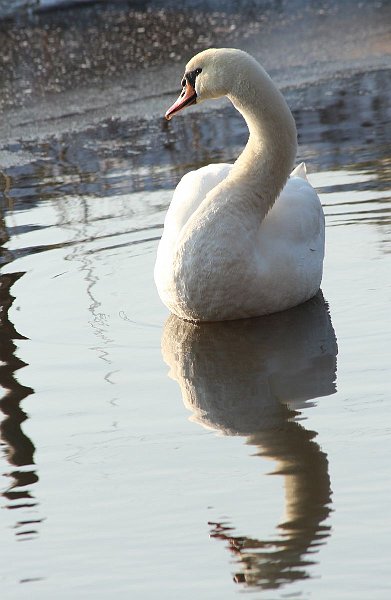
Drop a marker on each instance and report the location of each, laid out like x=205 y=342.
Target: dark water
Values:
x=109 y=486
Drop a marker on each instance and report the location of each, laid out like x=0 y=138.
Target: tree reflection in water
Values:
x=18 y=448
x=250 y=378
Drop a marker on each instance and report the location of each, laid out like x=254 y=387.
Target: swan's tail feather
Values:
x=300 y=171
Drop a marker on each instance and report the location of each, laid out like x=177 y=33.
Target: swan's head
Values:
x=211 y=74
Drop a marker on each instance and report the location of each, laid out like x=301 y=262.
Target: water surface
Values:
x=119 y=479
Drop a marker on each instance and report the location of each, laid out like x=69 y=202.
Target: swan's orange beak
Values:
x=187 y=97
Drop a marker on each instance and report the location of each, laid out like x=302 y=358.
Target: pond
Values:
x=136 y=449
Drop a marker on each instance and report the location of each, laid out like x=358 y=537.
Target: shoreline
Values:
x=295 y=48
x=48 y=118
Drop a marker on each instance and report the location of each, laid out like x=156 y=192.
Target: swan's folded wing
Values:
x=297 y=215
x=189 y=193
x=300 y=171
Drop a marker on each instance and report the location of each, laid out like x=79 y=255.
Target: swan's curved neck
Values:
x=265 y=164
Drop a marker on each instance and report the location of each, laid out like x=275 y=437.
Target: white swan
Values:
x=245 y=239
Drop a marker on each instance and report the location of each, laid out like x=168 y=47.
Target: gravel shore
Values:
x=87 y=62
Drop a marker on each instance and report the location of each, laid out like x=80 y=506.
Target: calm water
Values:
x=137 y=451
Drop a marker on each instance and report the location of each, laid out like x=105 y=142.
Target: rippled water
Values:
x=108 y=487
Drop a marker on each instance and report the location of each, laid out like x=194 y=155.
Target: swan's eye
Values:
x=190 y=77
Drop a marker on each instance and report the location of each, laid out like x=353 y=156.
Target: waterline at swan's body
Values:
x=245 y=239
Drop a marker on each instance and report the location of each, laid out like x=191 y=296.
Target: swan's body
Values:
x=245 y=239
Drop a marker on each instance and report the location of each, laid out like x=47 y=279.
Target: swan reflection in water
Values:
x=250 y=378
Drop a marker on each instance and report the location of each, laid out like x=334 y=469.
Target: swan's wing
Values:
x=300 y=171
x=189 y=193
x=291 y=240
x=297 y=215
